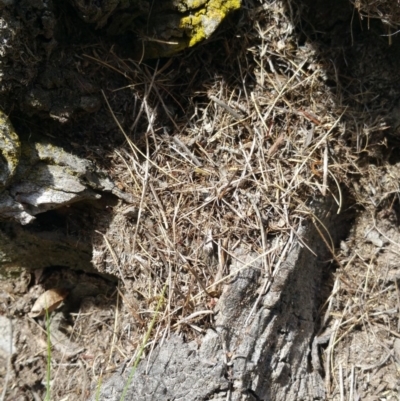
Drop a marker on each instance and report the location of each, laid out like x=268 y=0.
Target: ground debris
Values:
x=226 y=153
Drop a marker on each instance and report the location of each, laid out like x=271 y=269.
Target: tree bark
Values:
x=261 y=345
x=38 y=177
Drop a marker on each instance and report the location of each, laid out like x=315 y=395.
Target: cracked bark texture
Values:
x=37 y=177
x=40 y=176
x=264 y=357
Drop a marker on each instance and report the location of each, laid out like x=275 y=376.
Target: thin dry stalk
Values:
x=9 y=366
x=115 y=331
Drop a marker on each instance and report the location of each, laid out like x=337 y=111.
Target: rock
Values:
x=10 y=149
x=7 y=342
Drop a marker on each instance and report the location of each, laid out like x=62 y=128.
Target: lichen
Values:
x=10 y=150
x=163 y=27
x=202 y=23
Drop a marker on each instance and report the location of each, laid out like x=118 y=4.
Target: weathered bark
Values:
x=260 y=354
x=42 y=177
x=38 y=177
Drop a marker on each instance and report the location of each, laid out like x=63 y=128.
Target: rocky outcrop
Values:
x=38 y=176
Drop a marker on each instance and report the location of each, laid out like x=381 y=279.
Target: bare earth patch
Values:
x=365 y=300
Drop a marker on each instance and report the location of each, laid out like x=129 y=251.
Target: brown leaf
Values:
x=49 y=300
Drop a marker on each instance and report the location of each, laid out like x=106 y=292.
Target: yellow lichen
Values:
x=203 y=22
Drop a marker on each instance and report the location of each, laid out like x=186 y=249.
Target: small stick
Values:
x=341 y=382
x=328 y=359
x=398 y=304
x=325 y=170
x=159 y=204
x=113 y=341
x=239 y=119
x=114 y=256
x=194 y=159
x=351 y=396
x=188 y=267
x=276 y=145
x=263 y=235
x=232 y=112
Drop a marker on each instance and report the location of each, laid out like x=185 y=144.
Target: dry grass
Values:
x=364 y=305
x=388 y=11
x=234 y=162
x=231 y=157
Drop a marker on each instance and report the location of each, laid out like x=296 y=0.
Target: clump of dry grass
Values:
x=233 y=163
x=228 y=156
x=224 y=157
x=388 y=11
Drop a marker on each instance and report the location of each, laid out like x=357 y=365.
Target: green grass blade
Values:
x=146 y=338
x=48 y=368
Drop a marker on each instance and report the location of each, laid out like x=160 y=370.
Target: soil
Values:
x=55 y=81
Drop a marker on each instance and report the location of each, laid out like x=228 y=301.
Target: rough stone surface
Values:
x=7 y=342
x=38 y=177
x=10 y=150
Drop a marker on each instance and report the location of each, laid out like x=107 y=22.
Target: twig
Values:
x=325 y=170
x=232 y=112
x=187 y=266
x=8 y=374
x=194 y=159
x=341 y=386
x=114 y=330
x=114 y=256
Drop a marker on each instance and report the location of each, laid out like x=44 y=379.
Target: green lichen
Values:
x=202 y=23
x=162 y=27
x=10 y=150
x=172 y=25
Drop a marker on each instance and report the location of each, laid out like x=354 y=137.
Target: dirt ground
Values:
x=287 y=102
